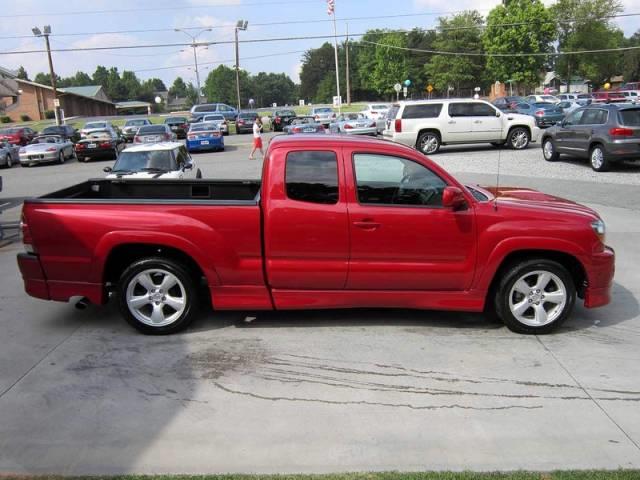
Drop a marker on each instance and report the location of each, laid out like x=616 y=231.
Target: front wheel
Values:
x=61 y=157
x=519 y=138
x=157 y=296
x=535 y=296
x=8 y=161
x=428 y=143
x=549 y=150
x=598 y=160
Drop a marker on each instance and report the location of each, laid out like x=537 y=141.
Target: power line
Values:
x=230 y=3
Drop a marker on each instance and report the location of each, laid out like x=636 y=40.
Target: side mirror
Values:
x=453 y=198
x=497 y=113
x=188 y=166
x=107 y=169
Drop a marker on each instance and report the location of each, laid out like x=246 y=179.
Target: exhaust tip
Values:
x=82 y=304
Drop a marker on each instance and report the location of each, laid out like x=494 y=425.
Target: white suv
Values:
x=428 y=124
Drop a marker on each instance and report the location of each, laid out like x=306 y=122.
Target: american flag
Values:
x=331 y=6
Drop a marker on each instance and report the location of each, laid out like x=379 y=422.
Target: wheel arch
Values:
x=526 y=127
x=428 y=129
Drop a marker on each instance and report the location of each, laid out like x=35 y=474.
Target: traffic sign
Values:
x=429 y=88
x=397 y=87
x=56 y=102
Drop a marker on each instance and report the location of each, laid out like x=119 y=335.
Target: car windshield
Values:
x=287 y=113
x=53 y=130
x=99 y=134
x=151 y=129
x=248 y=115
x=47 y=139
x=136 y=123
x=10 y=130
x=322 y=110
x=175 y=120
x=159 y=160
x=544 y=105
x=213 y=118
x=548 y=97
x=204 y=127
x=392 y=112
x=302 y=120
x=630 y=117
x=205 y=108
x=379 y=107
x=89 y=126
x=353 y=116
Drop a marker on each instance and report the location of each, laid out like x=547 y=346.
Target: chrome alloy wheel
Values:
x=597 y=158
x=156 y=297
x=537 y=298
x=547 y=149
x=519 y=140
x=429 y=143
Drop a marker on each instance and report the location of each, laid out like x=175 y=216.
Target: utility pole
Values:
x=240 y=25
x=348 y=82
x=56 y=102
x=195 y=45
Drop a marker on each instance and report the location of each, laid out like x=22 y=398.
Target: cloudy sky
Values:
x=101 y=23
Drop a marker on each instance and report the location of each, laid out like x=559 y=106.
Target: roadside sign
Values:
x=301 y=103
x=397 y=87
x=56 y=102
x=429 y=88
x=337 y=101
x=404 y=92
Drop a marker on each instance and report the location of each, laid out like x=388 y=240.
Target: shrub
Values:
x=5 y=119
x=25 y=118
x=49 y=114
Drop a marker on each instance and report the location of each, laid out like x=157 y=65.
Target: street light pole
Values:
x=195 y=45
x=56 y=103
x=240 y=25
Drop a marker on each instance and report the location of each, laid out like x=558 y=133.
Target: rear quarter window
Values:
x=312 y=176
x=630 y=117
x=422 y=111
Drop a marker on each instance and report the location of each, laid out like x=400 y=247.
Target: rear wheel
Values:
x=199 y=174
x=598 y=159
x=428 y=143
x=157 y=296
x=549 y=150
x=61 y=158
x=535 y=296
x=8 y=162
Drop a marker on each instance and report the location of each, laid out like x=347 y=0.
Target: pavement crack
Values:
x=368 y=403
x=595 y=400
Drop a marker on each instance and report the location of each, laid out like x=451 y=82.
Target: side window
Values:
x=482 y=110
x=312 y=176
x=386 y=180
x=575 y=117
x=181 y=158
x=594 y=117
x=602 y=118
x=524 y=106
x=422 y=111
x=460 y=109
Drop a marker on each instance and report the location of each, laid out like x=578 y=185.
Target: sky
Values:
x=72 y=26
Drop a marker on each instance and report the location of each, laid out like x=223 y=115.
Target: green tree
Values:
x=582 y=26
x=390 y=64
x=272 y=88
x=530 y=29
x=100 y=76
x=191 y=94
x=79 y=79
x=130 y=85
x=179 y=88
x=460 y=33
x=158 y=85
x=220 y=86
x=22 y=73
x=630 y=62
x=317 y=64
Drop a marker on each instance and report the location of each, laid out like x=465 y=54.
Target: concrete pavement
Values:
x=323 y=391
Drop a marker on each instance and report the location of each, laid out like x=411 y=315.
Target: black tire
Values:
x=61 y=158
x=549 y=151
x=514 y=138
x=428 y=143
x=199 y=174
x=507 y=293
x=598 y=159
x=8 y=162
x=189 y=295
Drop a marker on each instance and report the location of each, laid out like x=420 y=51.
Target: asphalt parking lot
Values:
x=326 y=391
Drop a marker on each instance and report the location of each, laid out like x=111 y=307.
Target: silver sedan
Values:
x=8 y=154
x=354 y=124
x=46 y=148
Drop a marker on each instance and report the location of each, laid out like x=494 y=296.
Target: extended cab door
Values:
x=401 y=236
x=306 y=229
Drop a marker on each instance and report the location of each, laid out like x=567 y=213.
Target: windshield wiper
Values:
x=153 y=169
x=122 y=171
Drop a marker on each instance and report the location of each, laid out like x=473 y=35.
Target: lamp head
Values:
x=47 y=29
x=36 y=31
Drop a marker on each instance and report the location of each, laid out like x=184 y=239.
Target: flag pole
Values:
x=332 y=11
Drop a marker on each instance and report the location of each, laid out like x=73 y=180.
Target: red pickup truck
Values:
x=337 y=222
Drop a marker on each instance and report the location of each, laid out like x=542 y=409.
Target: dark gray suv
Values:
x=602 y=133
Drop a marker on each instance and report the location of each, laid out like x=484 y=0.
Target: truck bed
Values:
x=208 y=192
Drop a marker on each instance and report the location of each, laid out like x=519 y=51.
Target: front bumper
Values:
x=600 y=279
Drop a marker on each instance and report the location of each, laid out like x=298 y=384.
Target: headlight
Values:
x=599 y=228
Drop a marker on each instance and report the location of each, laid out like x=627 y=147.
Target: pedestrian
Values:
x=257 y=138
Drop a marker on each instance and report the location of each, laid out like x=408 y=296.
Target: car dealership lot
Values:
x=81 y=392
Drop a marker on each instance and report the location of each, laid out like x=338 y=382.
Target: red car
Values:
x=607 y=96
x=337 y=222
x=17 y=135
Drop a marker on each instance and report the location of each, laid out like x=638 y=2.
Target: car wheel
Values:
x=598 y=159
x=61 y=157
x=535 y=296
x=428 y=143
x=519 y=138
x=199 y=174
x=8 y=162
x=157 y=296
x=549 y=151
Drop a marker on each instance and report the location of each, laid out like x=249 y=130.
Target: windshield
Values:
x=379 y=107
x=322 y=110
x=213 y=118
x=151 y=129
x=630 y=117
x=548 y=97
x=248 y=115
x=47 y=139
x=175 y=120
x=99 y=134
x=353 y=116
x=136 y=123
x=204 y=127
x=302 y=120
x=53 y=130
x=392 y=112
x=93 y=125
x=205 y=108
x=287 y=113
x=129 y=161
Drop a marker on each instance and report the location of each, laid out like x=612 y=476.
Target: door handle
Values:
x=367 y=225
x=452 y=121
x=477 y=121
